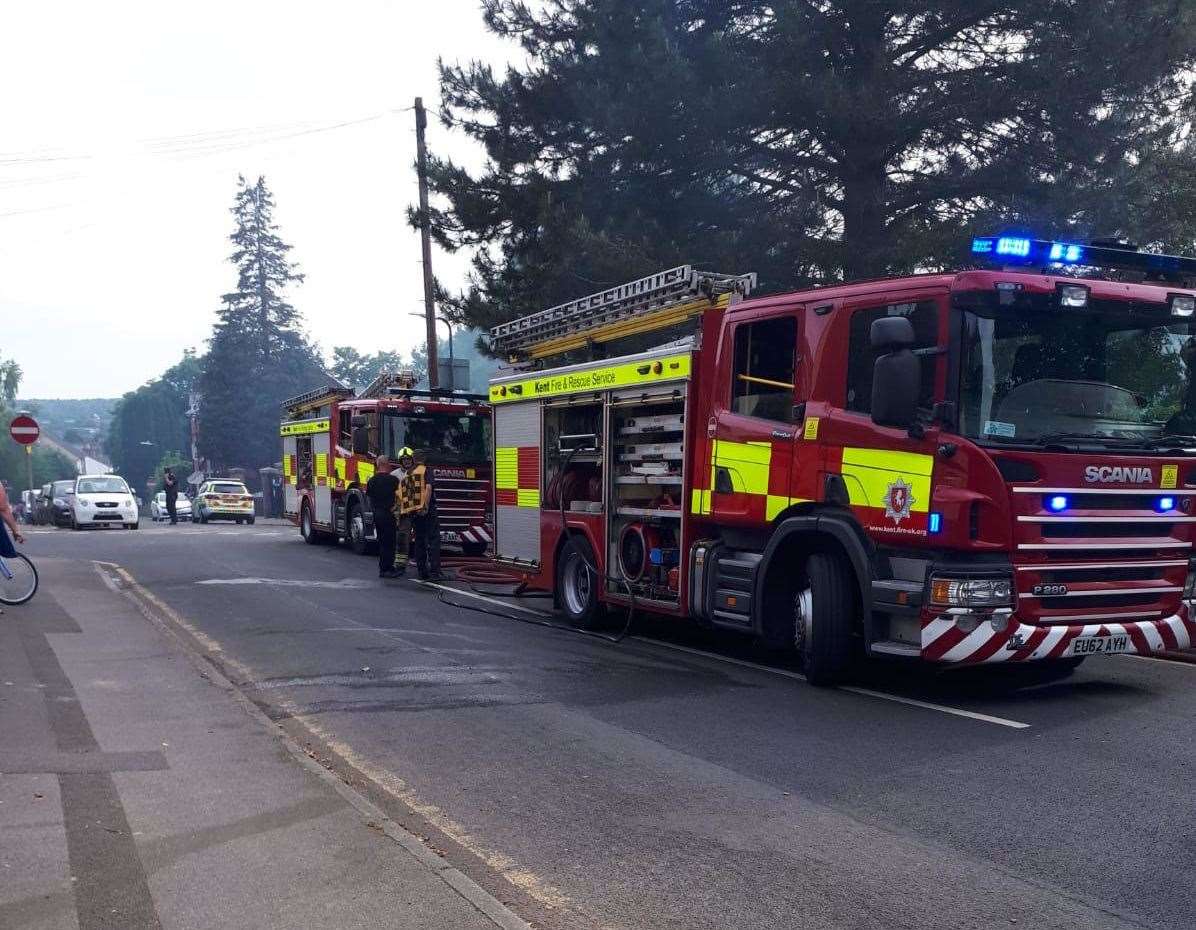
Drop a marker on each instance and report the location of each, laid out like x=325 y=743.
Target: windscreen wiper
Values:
x=1110 y=442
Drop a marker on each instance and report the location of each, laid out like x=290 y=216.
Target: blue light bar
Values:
x=936 y=522
x=1018 y=250
x=1057 y=502
x=1012 y=246
x=1163 y=504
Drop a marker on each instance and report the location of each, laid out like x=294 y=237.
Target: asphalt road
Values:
x=681 y=780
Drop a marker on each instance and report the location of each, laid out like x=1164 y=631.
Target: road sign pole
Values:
x=29 y=463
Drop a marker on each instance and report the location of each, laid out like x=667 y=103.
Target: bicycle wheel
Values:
x=18 y=580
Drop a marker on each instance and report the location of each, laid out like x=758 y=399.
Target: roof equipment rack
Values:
x=644 y=305
x=317 y=397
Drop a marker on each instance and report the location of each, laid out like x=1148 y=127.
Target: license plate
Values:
x=1099 y=645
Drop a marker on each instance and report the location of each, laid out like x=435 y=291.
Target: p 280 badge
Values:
x=1049 y=590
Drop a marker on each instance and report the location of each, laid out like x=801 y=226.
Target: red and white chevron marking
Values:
x=476 y=534
x=943 y=641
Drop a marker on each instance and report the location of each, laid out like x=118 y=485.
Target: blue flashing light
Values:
x=982 y=246
x=1013 y=246
x=936 y=522
x=1163 y=504
x=1064 y=253
x=1057 y=502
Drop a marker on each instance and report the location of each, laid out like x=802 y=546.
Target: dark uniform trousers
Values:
x=427 y=542
x=384 y=526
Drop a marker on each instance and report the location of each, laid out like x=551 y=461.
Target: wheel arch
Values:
x=802 y=530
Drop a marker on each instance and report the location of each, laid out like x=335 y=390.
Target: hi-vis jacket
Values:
x=411 y=490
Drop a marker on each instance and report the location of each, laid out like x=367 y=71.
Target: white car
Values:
x=103 y=500
x=182 y=507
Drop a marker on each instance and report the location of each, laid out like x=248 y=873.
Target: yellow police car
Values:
x=222 y=499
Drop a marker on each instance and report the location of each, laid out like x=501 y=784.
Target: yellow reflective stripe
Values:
x=774 y=505
x=321 y=464
x=700 y=502
x=746 y=463
x=527 y=498
x=339 y=465
x=286 y=466
x=908 y=463
x=672 y=368
x=365 y=471
x=303 y=427
x=506 y=468
x=869 y=474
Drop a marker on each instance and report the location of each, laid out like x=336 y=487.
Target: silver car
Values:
x=158 y=512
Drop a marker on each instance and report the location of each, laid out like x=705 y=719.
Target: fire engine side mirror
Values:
x=896 y=375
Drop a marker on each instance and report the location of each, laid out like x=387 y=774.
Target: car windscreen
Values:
x=439 y=438
x=104 y=485
x=61 y=488
x=226 y=488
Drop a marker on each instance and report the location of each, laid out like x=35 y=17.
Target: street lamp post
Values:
x=452 y=370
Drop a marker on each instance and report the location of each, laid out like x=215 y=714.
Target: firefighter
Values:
x=417 y=500
x=381 y=490
x=406 y=463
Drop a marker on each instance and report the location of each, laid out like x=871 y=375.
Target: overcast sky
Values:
x=123 y=127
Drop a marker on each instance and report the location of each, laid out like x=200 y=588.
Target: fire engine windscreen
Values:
x=1027 y=376
x=438 y=438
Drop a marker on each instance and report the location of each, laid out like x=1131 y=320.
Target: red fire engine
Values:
x=331 y=438
x=977 y=467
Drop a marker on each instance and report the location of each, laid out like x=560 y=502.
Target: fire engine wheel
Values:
x=306 y=530
x=823 y=609
x=357 y=539
x=577 y=586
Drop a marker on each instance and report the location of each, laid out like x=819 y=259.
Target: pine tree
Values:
x=258 y=354
x=808 y=141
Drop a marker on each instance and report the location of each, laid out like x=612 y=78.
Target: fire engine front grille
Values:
x=1109 y=558
x=462 y=503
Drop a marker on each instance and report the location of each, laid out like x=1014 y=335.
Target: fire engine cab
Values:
x=984 y=466
x=332 y=437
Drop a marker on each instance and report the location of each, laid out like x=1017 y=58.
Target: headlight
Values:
x=59 y=502
x=83 y=503
x=128 y=502
x=971 y=592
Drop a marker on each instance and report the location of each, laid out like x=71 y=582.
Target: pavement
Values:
x=138 y=791
x=673 y=779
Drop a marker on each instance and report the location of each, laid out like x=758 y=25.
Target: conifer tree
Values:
x=258 y=353
x=808 y=140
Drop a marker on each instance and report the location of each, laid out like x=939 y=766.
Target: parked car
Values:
x=103 y=500
x=57 y=507
x=182 y=507
x=41 y=505
x=222 y=499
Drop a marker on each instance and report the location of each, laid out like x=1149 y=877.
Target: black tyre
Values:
x=249 y=520
x=132 y=526
x=473 y=549
x=238 y=521
x=356 y=524
x=577 y=585
x=310 y=534
x=824 y=613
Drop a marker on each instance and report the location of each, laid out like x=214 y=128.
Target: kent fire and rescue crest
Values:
x=899 y=499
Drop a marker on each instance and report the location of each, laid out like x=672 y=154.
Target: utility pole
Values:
x=425 y=235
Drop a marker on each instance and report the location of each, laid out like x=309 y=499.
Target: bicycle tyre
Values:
x=9 y=601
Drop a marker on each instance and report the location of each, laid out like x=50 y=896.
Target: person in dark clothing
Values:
x=172 y=495
x=381 y=490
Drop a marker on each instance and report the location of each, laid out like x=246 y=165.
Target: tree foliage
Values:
x=809 y=140
x=353 y=369
x=258 y=354
x=48 y=464
x=152 y=421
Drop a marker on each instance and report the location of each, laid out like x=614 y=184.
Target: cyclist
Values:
x=7 y=550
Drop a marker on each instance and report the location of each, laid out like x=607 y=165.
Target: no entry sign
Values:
x=24 y=430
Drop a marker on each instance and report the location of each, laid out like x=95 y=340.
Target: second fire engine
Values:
x=331 y=438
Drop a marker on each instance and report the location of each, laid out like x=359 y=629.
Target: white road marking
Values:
x=782 y=672
x=294 y=582
x=941 y=708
